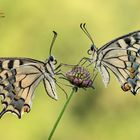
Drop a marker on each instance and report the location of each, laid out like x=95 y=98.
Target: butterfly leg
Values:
x=83 y=61
x=89 y=64
x=59 y=73
x=92 y=87
x=66 y=65
x=64 y=78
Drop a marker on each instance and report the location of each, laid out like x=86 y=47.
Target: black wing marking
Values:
x=114 y=43
x=13 y=62
x=122 y=57
x=17 y=87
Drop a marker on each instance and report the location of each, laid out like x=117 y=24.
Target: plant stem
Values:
x=61 y=113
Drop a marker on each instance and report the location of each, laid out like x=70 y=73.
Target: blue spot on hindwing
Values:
x=138 y=52
x=132 y=82
x=135 y=66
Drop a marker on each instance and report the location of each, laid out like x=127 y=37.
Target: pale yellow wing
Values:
x=17 y=87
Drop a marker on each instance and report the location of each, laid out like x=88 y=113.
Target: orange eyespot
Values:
x=26 y=109
x=131 y=70
x=126 y=86
x=132 y=75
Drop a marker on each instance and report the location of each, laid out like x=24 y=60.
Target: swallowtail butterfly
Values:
x=121 y=56
x=19 y=78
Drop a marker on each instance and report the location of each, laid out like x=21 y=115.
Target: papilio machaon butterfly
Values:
x=19 y=78
x=121 y=56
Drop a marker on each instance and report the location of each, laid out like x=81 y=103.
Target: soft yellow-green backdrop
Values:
x=100 y=114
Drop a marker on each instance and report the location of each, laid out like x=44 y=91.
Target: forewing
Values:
x=14 y=62
x=122 y=57
x=125 y=41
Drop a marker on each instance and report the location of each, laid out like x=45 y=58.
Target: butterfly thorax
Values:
x=94 y=56
x=49 y=68
x=93 y=52
x=50 y=65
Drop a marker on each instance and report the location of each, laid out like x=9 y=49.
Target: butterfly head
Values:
x=93 y=51
x=52 y=60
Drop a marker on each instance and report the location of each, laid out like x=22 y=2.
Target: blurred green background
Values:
x=100 y=114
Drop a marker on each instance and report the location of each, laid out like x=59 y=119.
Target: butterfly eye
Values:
x=92 y=47
x=91 y=50
x=51 y=58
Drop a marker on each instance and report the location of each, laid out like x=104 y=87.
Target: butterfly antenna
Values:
x=52 y=43
x=83 y=27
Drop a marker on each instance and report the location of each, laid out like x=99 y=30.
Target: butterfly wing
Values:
x=50 y=88
x=122 y=57
x=49 y=80
x=17 y=86
x=13 y=62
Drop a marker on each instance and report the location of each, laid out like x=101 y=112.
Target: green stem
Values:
x=61 y=114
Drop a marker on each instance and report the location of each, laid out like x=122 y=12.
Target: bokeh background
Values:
x=100 y=114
